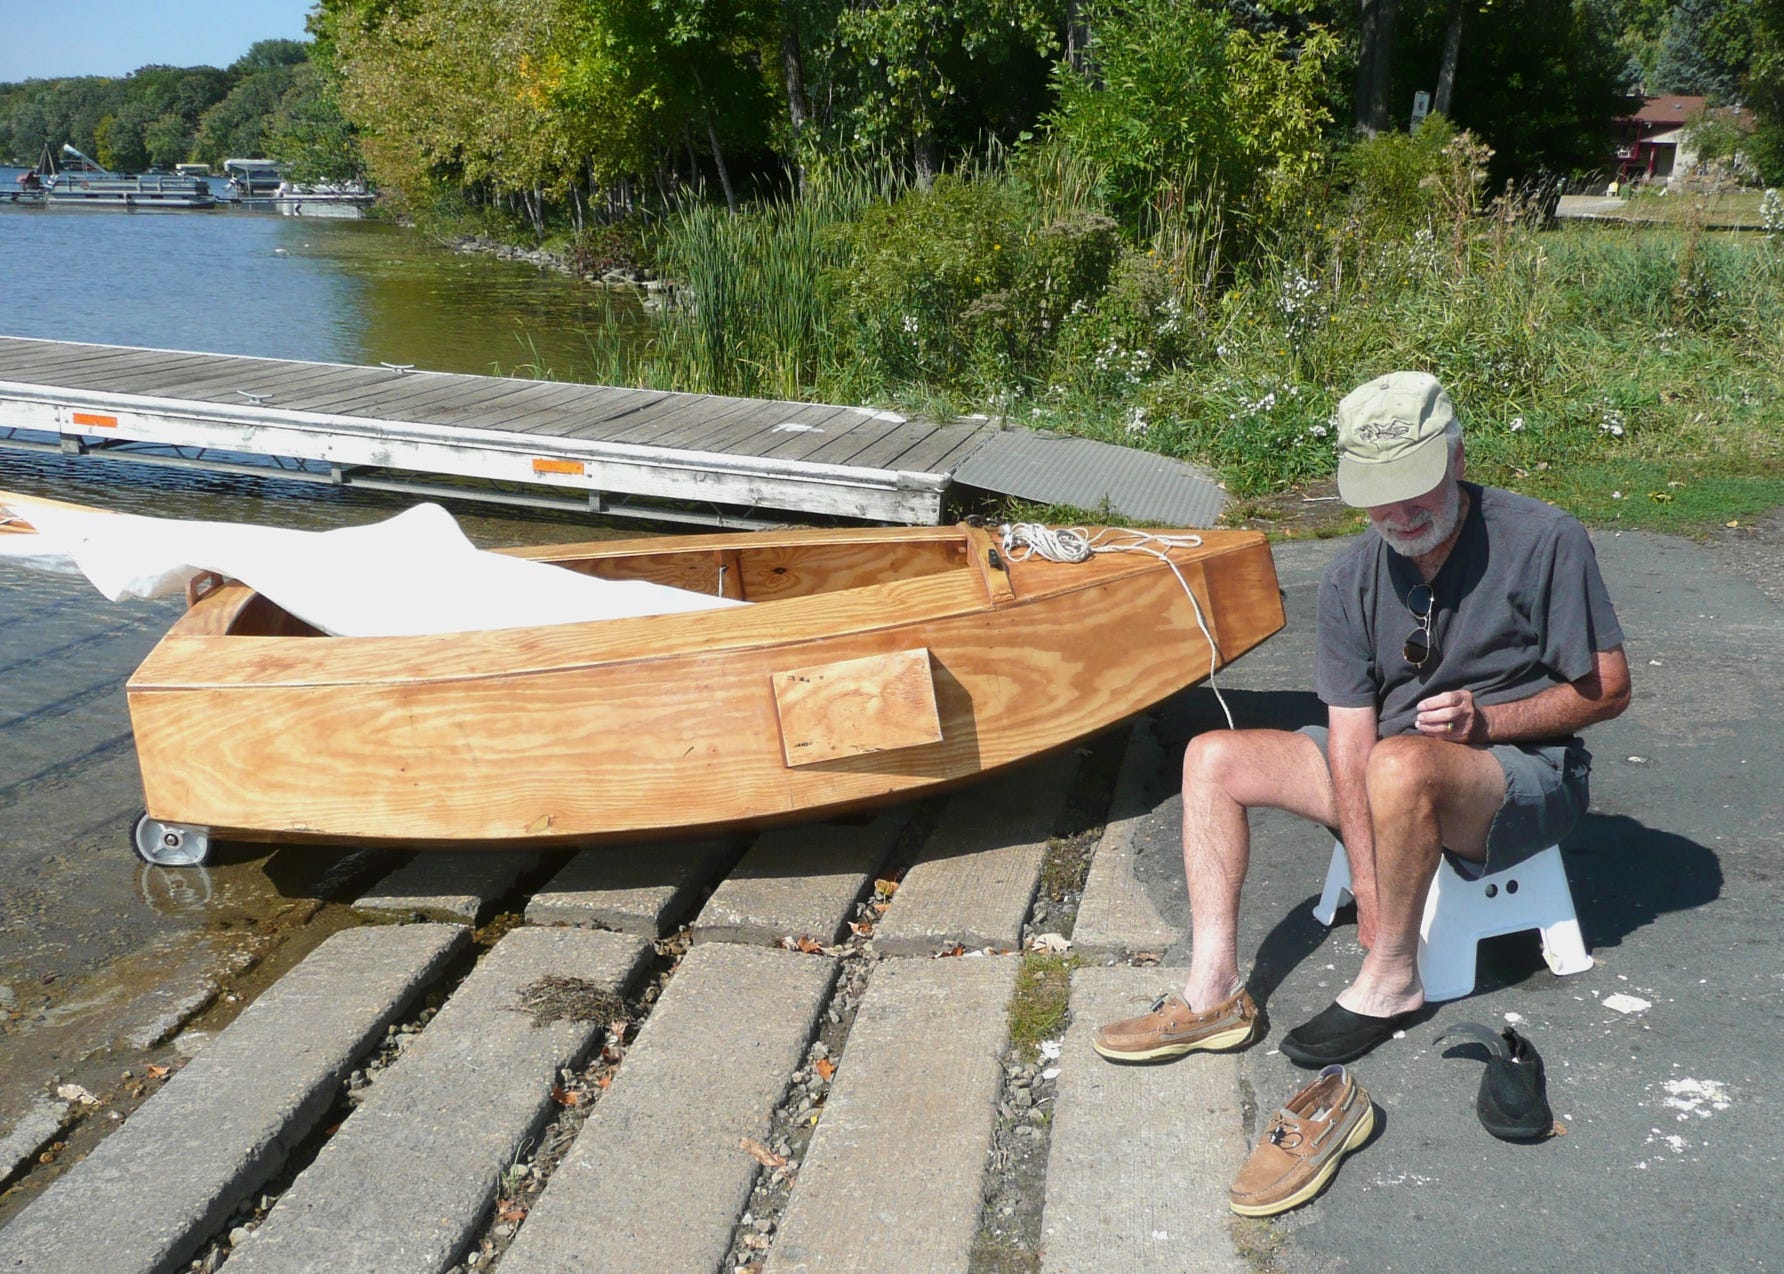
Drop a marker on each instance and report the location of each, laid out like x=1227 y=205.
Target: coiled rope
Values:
x=1023 y=540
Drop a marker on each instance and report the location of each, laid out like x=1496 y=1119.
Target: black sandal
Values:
x=1513 y=1103
x=1338 y=1035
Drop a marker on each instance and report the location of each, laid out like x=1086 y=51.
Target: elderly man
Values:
x=1462 y=641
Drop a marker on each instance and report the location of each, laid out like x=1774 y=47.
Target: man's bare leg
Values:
x=1424 y=794
x=1226 y=773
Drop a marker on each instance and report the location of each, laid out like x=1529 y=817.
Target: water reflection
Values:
x=174 y=891
x=239 y=282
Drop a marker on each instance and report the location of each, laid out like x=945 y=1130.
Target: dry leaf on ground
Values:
x=760 y=1153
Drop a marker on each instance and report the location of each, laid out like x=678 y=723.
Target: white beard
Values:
x=1437 y=530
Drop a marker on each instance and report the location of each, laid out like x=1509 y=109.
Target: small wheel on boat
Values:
x=169 y=844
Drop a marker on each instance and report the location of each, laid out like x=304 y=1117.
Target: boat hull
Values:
x=958 y=664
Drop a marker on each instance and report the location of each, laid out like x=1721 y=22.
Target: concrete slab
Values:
x=1141 y=1156
x=706 y=1070
x=975 y=879
x=892 y=1179
x=161 y=1185
x=638 y=889
x=35 y=1127
x=405 y=1183
x=462 y=885
x=799 y=882
x=194 y=978
x=1116 y=917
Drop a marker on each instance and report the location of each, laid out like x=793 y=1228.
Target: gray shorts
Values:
x=1546 y=791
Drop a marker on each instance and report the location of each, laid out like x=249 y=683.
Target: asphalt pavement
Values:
x=1670 y=1156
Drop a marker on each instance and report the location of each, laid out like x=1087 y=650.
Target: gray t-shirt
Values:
x=1520 y=606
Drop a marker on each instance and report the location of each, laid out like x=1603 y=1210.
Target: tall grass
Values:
x=1583 y=359
x=751 y=317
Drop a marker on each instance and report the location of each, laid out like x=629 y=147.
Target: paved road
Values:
x=867 y=1103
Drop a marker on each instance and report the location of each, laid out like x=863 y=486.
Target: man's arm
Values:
x=1549 y=714
x=1351 y=735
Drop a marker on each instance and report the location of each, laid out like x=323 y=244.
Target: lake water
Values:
x=239 y=282
x=233 y=281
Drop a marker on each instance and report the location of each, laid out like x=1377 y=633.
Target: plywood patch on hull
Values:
x=857 y=706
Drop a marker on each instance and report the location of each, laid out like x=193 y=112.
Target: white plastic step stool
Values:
x=1460 y=912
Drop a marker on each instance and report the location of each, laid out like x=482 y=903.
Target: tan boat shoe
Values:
x=1303 y=1144
x=1171 y=1028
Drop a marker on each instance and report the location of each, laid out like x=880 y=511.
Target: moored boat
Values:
x=252 y=180
x=347 y=199
x=873 y=664
x=78 y=182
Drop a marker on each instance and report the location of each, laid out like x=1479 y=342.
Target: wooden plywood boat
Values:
x=876 y=664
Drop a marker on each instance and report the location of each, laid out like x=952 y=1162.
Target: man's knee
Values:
x=1246 y=765
x=1404 y=769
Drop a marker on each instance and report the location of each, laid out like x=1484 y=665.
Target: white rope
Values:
x=1023 y=540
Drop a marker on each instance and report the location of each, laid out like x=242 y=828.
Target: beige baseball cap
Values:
x=1391 y=439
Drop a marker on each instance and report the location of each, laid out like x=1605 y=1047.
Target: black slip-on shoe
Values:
x=1513 y=1103
x=1338 y=1035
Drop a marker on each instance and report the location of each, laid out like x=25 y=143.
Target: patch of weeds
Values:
x=996 y=510
x=555 y=998
x=1038 y=1009
x=1260 y=1243
x=496 y=928
x=991 y=1255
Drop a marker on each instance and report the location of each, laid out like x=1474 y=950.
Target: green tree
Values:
x=1178 y=88
x=309 y=134
x=1638 y=26
x=266 y=55
x=119 y=142
x=460 y=92
x=239 y=126
x=1763 y=90
x=1539 y=80
x=911 y=58
x=1705 y=49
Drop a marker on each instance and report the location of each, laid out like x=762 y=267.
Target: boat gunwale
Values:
x=771 y=618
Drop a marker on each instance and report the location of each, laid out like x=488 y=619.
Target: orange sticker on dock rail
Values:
x=543 y=465
x=95 y=420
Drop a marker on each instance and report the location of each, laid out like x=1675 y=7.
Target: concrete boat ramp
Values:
x=822 y=1080
x=613 y=451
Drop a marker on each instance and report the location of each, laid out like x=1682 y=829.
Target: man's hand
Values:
x=1553 y=713
x=1452 y=716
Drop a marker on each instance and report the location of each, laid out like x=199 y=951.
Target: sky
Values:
x=47 y=39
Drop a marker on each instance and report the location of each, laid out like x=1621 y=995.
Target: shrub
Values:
x=915 y=266
x=1112 y=344
x=1181 y=89
x=1060 y=270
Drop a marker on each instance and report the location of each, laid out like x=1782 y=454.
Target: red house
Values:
x=1647 y=142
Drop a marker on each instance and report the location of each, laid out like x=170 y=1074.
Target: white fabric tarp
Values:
x=414 y=573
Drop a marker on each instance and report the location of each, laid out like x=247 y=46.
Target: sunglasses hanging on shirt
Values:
x=1420 y=644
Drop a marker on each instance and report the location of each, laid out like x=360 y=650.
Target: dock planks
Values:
x=603 y=441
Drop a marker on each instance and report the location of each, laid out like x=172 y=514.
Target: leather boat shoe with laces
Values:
x=1171 y=1028
x=1303 y=1144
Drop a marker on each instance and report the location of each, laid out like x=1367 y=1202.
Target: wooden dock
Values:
x=647 y=453
x=584 y=446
